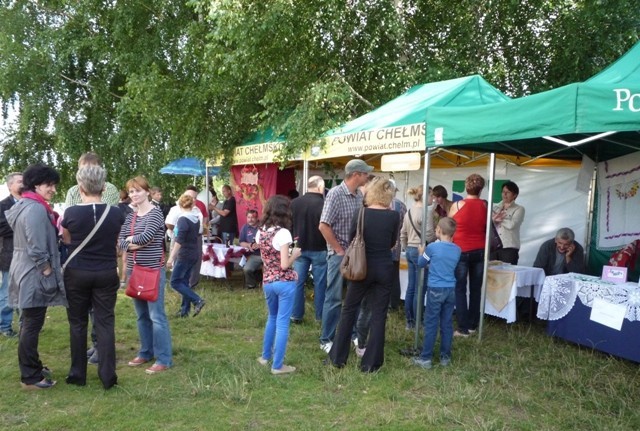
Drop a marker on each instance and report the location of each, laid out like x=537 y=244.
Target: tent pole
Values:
x=206 y=185
x=423 y=234
x=406 y=186
x=487 y=244
x=305 y=175
x=590 y=215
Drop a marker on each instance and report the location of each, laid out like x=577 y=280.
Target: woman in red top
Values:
x=471 y=216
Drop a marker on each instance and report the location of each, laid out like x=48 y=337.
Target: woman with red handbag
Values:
x=142 y=237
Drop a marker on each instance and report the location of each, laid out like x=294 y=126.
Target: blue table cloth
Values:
x=566 y=302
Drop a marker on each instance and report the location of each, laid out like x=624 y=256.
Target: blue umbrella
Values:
x=189 y=166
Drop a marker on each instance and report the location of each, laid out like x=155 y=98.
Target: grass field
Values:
x=518 y=378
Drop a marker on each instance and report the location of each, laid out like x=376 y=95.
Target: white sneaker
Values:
x=326 y=347
x=262 y=361
x=355 y=343
x=360 y=352
x=284 y=370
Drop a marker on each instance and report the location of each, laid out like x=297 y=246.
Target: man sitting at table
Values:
x=247 y=240
x=561 y=254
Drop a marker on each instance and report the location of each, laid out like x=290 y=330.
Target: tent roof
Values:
x=410 y=107
x=399 y=125
x=262 y=137
x=599 y=117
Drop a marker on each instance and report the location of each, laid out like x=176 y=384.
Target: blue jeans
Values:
x=471 y=264
x=332 y=299
x=279 y=296
x=439 y=311
x=180 y=282
x=6 y=312
x=410 y=300
x=318 y=262
x=153 y=327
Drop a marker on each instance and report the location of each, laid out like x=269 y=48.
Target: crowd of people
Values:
x=293 y=237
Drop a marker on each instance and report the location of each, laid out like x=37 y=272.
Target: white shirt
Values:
x=175 y=213
x=282 y=237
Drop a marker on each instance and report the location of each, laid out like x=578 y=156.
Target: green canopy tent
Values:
x=399 y=125
x=599 y=118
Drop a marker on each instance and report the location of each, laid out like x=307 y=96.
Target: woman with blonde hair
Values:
x=184 y=255
x=142 y=237
x=470 y=215
x=380 y=231
x=411 y=239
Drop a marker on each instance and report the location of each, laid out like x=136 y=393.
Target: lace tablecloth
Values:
x=524 y=279
x=559 y=294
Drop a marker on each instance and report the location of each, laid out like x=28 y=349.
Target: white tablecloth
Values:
x=525 y=277
x=559 y=295
x=218 y=271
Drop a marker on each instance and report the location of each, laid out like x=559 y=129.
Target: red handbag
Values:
x=143 y=282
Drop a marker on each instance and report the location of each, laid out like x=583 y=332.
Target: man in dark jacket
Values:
x=561 y=254
x=14 y=184
x=306 y=211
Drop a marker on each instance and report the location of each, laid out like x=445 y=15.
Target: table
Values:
x=216 y=256
x=566 y=301
x=505 y=282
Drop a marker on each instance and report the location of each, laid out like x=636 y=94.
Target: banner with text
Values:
x=396 y=139
x=259 y=153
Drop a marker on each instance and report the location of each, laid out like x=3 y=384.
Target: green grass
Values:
x=518 y=378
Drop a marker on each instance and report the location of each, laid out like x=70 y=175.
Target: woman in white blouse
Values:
x=508 y=217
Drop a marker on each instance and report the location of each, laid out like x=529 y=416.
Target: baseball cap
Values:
x=357 y=165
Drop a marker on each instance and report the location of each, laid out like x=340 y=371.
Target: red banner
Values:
x=252 y=186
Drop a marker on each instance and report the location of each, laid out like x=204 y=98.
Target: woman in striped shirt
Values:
x=142 y=237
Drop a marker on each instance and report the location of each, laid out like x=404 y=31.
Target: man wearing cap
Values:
x=335 y=222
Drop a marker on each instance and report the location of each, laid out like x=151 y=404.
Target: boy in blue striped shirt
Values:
x=442 y=256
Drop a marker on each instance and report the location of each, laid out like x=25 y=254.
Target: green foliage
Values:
x=143 y=83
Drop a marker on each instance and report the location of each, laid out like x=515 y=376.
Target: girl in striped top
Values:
x=142 y=237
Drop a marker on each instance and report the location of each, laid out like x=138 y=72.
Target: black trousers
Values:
x=28 y=356
x=394 y=301
x=507 y=255
x=97 y=290
x=377 y=287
